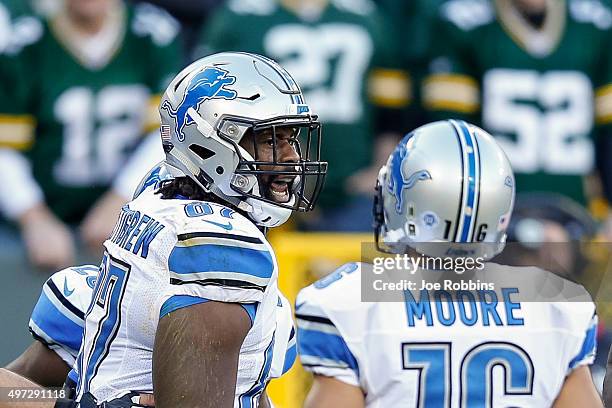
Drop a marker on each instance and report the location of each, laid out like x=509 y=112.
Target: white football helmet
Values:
x=446 y=190
x=212 y=105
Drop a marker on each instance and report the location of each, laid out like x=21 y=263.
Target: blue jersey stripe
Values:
x=290 y=356
x=251 y=309
x=178 y=302
x=55 y=325
x=588 y=346
x=323 y=345
x=221 y=258
x=72 y=378
x=247 y=399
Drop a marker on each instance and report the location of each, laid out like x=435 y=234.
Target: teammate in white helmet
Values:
x=519 y=337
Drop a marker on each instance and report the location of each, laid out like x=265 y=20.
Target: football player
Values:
x=83 y=88
x=343 y=56
x=537 y=75
x=57 y=326
x=187 y=270
x=448 y=188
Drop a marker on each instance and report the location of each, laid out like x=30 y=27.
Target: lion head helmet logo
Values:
x=210 y=83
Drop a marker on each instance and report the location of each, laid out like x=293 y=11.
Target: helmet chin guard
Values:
x=266 y=214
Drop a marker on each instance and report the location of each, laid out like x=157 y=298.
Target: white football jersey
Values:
x=476 y=352
x=58 y=317
x=165 y=254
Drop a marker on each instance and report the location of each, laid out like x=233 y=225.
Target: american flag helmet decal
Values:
x=165 y=133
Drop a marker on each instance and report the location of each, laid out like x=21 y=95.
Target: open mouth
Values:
x=279 y=189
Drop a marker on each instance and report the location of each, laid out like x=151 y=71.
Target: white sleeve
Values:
x=58 y=317
x=585 y=356
x=285 y=347
x=18 y=190
x=147 y=155
x=322 y=349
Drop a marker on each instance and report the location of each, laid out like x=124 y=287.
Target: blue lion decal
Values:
x=210 y=83
x=397 y=182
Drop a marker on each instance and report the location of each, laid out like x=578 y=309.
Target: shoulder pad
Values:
x=591 y=12
x=154 y=22
x=202 y=216
x=336 y=288
x=254 y=7
x=76 y=284
x=218 y=249
x=468 y=14
x=337 y=275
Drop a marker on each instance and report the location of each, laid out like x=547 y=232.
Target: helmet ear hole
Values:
x=201 y=151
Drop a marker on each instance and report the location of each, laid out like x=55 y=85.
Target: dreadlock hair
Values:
x=187 y=188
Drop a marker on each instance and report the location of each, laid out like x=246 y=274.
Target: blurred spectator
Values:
x=192 y=14
x=549 y=230
x=83 y=91
x=412 y=22
x=342 y=54
x=537 y=74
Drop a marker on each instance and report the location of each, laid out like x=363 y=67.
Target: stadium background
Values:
x=406 y=45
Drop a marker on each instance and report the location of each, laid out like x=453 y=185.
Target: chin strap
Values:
x=234 y=200
x=261 y=213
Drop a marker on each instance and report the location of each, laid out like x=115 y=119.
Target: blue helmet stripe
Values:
x=460 y=205
x=469 y=210
x=477 y=184
x=468 y=206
